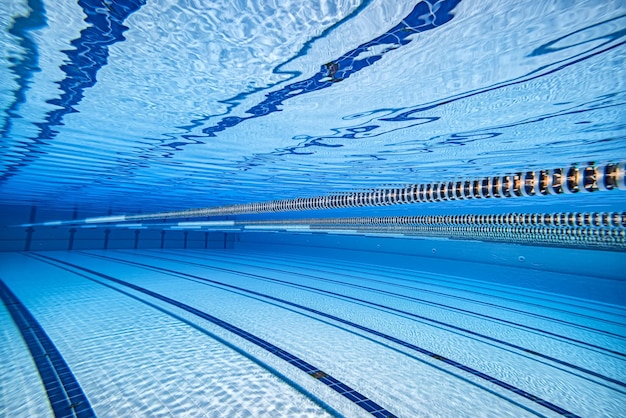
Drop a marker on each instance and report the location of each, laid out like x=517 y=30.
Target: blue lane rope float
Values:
x=589 y=230
x=560 y=219
x=607 y=239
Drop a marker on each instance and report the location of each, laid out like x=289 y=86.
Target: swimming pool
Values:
x=325 y=208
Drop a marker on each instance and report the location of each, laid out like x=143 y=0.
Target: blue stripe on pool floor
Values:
x=65 y=395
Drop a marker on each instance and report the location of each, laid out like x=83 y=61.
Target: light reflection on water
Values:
x=163 y=102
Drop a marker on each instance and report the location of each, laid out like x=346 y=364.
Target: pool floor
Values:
x=242 y=333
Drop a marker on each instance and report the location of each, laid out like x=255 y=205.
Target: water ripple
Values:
x=88 y=54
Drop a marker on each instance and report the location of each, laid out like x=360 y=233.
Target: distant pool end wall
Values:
x=52 y=237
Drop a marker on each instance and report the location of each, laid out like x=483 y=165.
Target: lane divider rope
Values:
x=557 y=181
x=572 y=179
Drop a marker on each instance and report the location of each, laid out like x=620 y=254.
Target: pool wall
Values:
x=50 y=238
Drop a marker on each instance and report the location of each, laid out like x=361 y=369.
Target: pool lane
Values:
x=465 y=328
x=22 y=392
x=359 y=399
x=447 y=305
x=462 y=289
x=523 y=296
x=382 y=374
x=602 y=397
x=433 y=356
x=369 y=330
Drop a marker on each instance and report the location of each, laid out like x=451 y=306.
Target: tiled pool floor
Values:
x=240 y=333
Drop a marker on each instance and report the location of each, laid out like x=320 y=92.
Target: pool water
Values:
x=312 y=208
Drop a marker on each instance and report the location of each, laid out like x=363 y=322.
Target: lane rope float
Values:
x=557 y=181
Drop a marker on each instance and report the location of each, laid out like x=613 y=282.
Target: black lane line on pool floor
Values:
x=333 y=294
x=65 y=395
x=464 y=311
x=432 y=355
x=242 y=260
x=536 y=330
x=336 y=385
x=453 y=280
x=455 y=309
